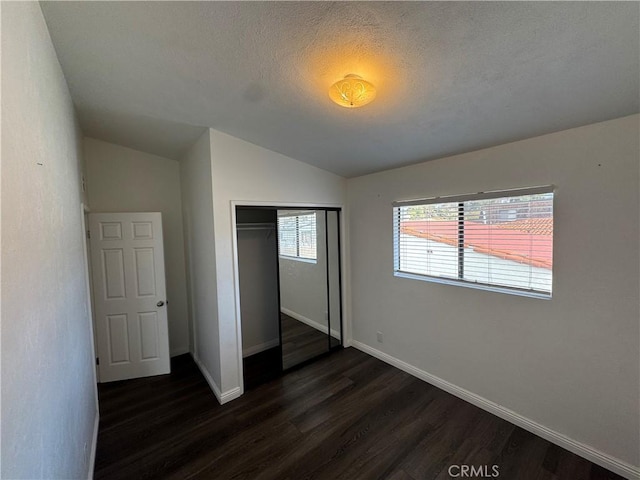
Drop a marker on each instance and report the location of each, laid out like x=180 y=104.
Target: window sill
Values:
x=477 y=286
x=299 y=259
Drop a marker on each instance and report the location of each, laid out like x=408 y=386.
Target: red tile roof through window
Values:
x=525 y=241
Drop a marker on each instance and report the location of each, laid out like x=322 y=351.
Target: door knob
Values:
x=160 y=304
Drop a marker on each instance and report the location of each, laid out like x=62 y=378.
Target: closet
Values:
x=290 y=288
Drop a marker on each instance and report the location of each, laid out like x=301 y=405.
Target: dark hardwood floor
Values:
x=346 y=416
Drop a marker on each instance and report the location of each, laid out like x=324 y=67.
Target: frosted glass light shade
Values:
x=352 y=91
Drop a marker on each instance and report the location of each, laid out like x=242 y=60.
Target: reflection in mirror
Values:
x=304 y=307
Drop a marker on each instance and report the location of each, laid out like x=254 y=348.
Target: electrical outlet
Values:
x=379 y=337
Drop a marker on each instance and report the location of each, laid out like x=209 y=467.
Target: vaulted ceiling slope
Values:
x=451 y=76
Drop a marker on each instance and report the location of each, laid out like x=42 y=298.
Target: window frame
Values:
x=460 y=200
x=297 y=256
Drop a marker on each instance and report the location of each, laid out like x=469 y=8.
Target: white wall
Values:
x=48 y=380
x=197 y=208
x=244 y=172
x=121 y=179
x=570 y=363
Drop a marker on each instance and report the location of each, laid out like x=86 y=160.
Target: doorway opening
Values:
x=290 y=288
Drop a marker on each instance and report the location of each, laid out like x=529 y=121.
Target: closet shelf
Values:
x=256 y=226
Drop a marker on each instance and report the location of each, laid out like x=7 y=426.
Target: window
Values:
x=297 y=236
x=495 y=240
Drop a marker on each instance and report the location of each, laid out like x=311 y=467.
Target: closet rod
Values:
x=255 y=226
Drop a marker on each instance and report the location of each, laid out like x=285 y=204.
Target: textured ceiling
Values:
x=451 y=76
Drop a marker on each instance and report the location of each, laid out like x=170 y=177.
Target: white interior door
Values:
x=127 y=263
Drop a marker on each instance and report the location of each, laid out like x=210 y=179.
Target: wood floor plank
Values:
x=346 y=416
x=523 y=454
x=400 y=475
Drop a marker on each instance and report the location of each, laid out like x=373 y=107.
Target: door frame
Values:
x=346 y=340
x=84 y=212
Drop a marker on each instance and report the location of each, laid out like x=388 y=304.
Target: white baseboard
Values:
x=312 y=323
x=94 y=446
x=596 y=456
x=222 y=397
x=207 y=376
x=230 y=395
x=247 y=352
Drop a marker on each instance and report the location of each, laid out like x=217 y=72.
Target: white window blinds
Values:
x=297 y=236
x=499 y=239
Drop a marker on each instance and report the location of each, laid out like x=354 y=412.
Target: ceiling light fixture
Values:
x=352 y=91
